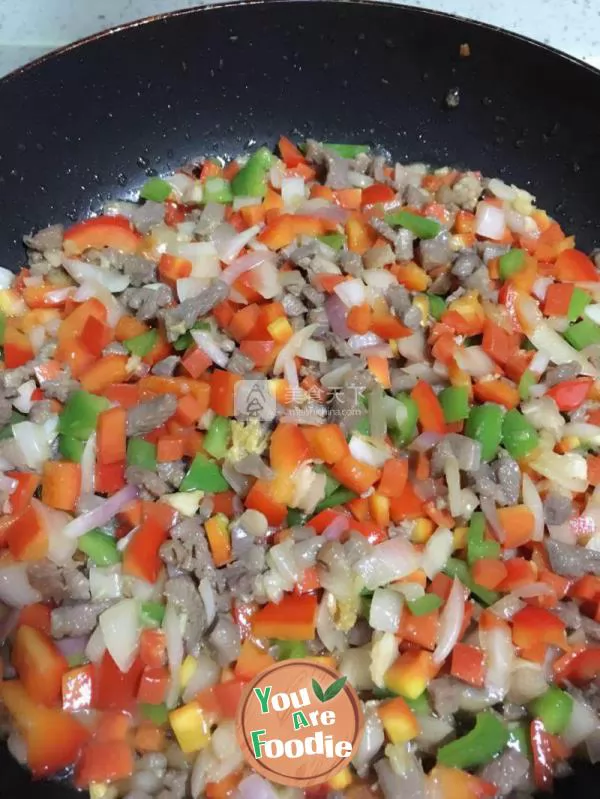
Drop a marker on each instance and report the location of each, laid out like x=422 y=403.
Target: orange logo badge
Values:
x=299 y=723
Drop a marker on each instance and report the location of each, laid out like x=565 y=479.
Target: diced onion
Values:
x=292 y=347
x=96 y=646
x=543 y=337
x=497 y=644
x=209 y=346
x=569 y=471
x=255 y=787
x=88 y=465
x=188 y=287
x=23 y=401
x=532 y=499
x=34 y=441
x=292 y=192
x=387 y=562
x=351 y=292
x=82 y=272
x=490 y=221
x=174 y=642
x=265 y=279
x=501 y=189
x=6 y=278
x=228 y=247
x=437 y=551
x=368 y=453
x=15 y=588
x=451 y=621
x=120 y=626
x=103 y=514
x=386 y=610
x=61 y=548
x=243 y=264
x=474 y=361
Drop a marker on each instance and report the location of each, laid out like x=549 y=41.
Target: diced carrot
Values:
x=518 y=523
x=393 y=477
x=359 y=318
x=129 y=327
x=497 y=391
x=379 y=366
x=489 y=572
x=61 y=484
x=103 y=373
x=170 y=448
x=111 y=436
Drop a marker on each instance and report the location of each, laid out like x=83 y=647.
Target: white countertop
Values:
x=29 y=28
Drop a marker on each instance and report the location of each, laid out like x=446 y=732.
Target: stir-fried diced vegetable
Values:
x=303 y=405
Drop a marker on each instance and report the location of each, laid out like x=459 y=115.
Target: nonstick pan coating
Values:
x=92 y=121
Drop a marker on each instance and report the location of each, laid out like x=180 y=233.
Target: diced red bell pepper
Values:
x=293 y=619
x=453 y=783
x=111 y=436
x=354 y=474
x=251 y=661
x=290 y=154
x=73 y=325
x=543 y=772
x=27 y=484
x=153 y=648
x=288 y=448
x=102 y=231
x=570 y=394
x=39 y=664
x=558 y=298
x=78 y=688
x=17 y=348
x=377 y=193
x=36 y=616
x=574 y=266
x=172 y=267
x=533 y=625
x=222 y=391
x=431 y=415
x=468 y=664
x=399 y=721
x=329 y=443
x=407 y=506
x=584 y=668
x=141 y=558
x=154 y=685
x=223 y=698
x=110 y=477
x=117 y=690
x=421 y=630
x=96 y=335
x=27 y=536
x=195 y=362
x=103 y=373
x=54 y=739
x=260 y=498
x=105 y=762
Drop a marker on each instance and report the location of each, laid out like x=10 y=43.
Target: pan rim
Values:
x=80 y=44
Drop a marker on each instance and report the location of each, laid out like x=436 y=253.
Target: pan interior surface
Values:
x=93 y=121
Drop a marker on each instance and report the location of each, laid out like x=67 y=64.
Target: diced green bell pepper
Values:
x=141 y=345
x=290 y=650
x=334 y=240
x=437 y=306
x=486 y=740
x=80 y=414
x=71 y=448
x=204 y=475
x=217 y=190
x=295 y=517
x=554 y=708
x=458 y=568
x=152 y=614
x=477 y=547
x=582 y=334
x=155 y=189
x=100 y=548
x=510 y=263
x=185 y=340
x=420 y=226
x=7 y=431
x=339 y=497
x=527 y=380
x=455 y=403
x=420 y=705
x=580 y=299
x=142 y=454
x=157 y=714
x=424 y=604
x=485 y=425
x=519 y=436
x=218 y=435
x=347 y=150
x=406 y=431
x=251 y=180
x=363 y=426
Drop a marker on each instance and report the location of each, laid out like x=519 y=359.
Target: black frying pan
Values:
x=92 y=120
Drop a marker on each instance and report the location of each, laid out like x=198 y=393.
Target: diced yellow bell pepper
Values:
x=323 y=660
x=188 y=667
x=422 y=303
x=422 y=530
x=399 y=722
x=409 y=676
x=280 y=330
x=190 y=727
x=341 y=780
x=102 y=790
x=459 y=537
